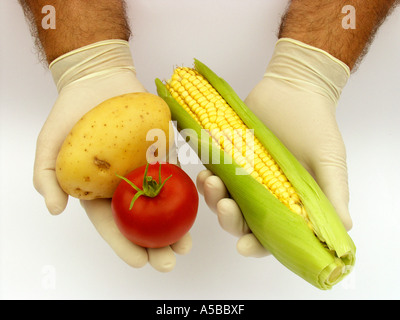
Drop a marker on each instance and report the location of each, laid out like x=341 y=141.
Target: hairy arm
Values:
x=78 y=23
x=319 y=23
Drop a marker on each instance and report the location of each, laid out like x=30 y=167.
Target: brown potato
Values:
x=110 y=139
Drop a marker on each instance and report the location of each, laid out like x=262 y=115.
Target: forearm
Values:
x=319 y=23
x=78 y=23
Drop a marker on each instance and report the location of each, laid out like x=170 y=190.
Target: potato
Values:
x=110 y=139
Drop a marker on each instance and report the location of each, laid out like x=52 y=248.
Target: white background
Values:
x=63 y=257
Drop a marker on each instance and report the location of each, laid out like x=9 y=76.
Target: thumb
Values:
x=45 y=180
x=333 y=179
x=45 y=183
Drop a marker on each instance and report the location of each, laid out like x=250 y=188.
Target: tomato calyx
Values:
x=151 y=188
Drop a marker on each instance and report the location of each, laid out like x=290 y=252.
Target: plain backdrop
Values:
x=63 y=257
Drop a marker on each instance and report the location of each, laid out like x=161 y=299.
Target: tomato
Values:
x=158 y=208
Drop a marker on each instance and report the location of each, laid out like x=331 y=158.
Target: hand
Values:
x=85 y=77
x=297 y=100
x=161 y=259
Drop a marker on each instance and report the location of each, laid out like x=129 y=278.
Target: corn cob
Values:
x=282 y=204
x=195 y=94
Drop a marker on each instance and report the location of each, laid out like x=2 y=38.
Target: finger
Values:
x=214 y=191
x=100 y=214
x=230 y=217
x=249 y=246
x=183 y=246
x=201 y=178
x=45 y=182
x=162 y=259
x=334 y=183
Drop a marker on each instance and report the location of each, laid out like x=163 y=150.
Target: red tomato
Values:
x=158 y=221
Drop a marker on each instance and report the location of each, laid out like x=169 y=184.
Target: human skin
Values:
x=319 y=24
x=78 y=23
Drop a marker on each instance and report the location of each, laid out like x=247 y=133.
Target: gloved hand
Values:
x=297 y=100
x=85 y=77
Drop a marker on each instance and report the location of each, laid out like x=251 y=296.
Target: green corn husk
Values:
x=322 y=256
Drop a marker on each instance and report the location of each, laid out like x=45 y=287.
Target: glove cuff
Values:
x=93 y=60
x=308 y=67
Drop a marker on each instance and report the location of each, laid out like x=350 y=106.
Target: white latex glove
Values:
x=297 y=100
x=85 y=77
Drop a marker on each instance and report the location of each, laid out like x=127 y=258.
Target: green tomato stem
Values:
x=151 y=188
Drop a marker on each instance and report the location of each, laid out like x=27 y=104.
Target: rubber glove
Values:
x=85 y=77
x=297 y=100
